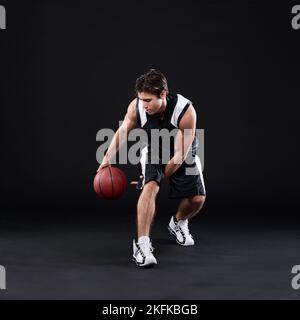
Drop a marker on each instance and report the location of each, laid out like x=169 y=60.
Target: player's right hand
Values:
x=105 y=163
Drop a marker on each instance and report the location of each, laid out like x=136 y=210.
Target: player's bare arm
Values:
x=120 y=136
x=183 y=141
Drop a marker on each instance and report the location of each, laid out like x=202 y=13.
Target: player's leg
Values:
x=189 y=207
x=142 y=249
x=189 y=187
x=178 y=225
x=146 y=208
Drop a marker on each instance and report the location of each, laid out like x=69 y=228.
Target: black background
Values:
x=68 y=69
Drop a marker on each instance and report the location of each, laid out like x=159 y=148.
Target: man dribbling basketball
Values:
x=155 y=108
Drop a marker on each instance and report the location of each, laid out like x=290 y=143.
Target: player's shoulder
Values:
x=182 y=99
x=181 y=103
x=132 y=104
x=186 y=106
x=131 y=109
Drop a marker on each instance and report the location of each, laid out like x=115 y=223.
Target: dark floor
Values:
x=90 y=258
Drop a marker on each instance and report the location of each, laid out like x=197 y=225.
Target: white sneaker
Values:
x=181 y=231
x=142 y=252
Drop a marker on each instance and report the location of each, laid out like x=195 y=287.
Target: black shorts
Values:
x=186 y=181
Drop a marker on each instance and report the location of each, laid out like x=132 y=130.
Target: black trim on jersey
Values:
x=172 y=100
x=183 y=112
x=138 y=112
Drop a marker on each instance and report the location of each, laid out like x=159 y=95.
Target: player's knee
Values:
x=198 y=201
x=151 y=187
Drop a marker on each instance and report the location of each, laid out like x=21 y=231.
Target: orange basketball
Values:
x=110 y=183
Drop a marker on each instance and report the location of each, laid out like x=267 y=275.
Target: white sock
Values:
x=143 y=239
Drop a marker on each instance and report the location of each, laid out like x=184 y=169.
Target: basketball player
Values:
x=155 y=108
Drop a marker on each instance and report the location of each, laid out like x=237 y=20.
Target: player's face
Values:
x=152 y=104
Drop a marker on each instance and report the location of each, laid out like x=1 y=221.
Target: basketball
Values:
x=110 y=183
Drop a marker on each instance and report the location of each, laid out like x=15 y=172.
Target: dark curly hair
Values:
x=153 y=81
